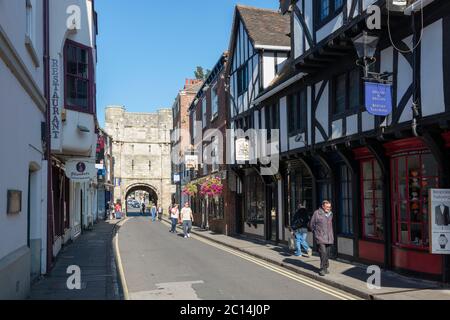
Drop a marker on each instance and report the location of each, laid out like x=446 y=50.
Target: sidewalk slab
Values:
x=93 y=253
x=348 y=277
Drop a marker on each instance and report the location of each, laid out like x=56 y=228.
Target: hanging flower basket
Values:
x=212 y=187
x=190 y=190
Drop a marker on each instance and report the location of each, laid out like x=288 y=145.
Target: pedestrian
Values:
x=187 y=219
x=299 y=227
x=111 y=210
x=153 y=211
x=118 y=210
x=322 y=227
x=160 y=213
x=143 y=208
x=174 y=217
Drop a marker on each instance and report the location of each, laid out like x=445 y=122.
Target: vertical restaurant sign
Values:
x=378 y=98
x=439 y=220
x=55 y=106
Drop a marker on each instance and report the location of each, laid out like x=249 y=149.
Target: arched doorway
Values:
x=137 y=195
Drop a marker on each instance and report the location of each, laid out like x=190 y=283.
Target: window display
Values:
x=413 y=175
x=372 y=200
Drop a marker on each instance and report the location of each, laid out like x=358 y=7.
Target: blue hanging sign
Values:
x=378 y=98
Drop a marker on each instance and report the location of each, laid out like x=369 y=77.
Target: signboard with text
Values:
x=378 y=98
x=439 y=211
x=81 y=170
x=242 y=150
x=191 y=162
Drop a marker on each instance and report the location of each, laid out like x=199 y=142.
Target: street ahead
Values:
x=159 y=265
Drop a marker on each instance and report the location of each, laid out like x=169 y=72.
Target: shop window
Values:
x=216 y=208
x=345 y=201
x=412 y=177
x=323 y=183
x=78 y=81
x=300 y=190
x=372 y=200
x=255 y=199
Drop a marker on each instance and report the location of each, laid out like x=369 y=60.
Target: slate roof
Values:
x=266 y=27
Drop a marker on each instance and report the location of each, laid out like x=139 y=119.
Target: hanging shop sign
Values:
x=439 y=211
x=176 y=178
x=80 y=170
x=191 y=162
x=378 y=98
x=242 y=150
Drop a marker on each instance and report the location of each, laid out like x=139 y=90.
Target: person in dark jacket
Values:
x=322 y=227
x=299 y=227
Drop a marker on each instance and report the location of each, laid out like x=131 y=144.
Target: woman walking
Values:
x=174 y=217
x=187 y=218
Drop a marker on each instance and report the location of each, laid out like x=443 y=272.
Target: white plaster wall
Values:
x=432 y=73
x=268 y=68
x=330 y=27
x=72 y=141
x=20 y=136
x=13 y=22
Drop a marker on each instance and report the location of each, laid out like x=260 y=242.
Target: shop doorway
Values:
x=272 y=214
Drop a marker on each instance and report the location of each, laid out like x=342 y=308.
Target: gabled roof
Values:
x=266 y=27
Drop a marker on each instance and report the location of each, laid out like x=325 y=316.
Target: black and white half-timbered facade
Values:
x=376 y=170
x=259 y=48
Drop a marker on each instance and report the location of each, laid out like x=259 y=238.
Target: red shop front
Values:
x=413 y=170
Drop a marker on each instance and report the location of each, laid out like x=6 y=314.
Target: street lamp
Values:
x=397 y=5
x=366 y=47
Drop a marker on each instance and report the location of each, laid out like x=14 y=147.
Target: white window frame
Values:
x=194 y=127
x=204 y=113
x=214 y=103
x=30 y=30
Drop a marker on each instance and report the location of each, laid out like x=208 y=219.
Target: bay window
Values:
x=412 y=177
x=78 y=77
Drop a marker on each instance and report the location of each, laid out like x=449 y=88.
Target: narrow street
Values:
x=159 y=265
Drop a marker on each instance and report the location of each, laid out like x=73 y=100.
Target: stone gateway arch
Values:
x=141 y=153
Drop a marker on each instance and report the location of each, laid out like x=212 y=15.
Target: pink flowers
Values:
x=211 y=187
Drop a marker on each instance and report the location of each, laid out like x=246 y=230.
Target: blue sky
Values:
x=147 y=48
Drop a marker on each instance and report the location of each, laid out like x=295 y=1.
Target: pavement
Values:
x=159 y=265
x=351 y=278
x=93 y=253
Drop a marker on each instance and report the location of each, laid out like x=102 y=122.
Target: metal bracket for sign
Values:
x=379 y=77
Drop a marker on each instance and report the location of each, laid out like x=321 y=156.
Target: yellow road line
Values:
x=120 y=266
x=288 y=274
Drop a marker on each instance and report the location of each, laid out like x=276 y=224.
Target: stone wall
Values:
x=141 y=151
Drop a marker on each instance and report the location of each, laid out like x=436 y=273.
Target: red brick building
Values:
x=210 y=111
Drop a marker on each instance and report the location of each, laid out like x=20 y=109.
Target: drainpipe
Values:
x=48 y=135
x=416 y=94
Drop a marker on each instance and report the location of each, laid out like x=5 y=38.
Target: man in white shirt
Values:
x=187 y=218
